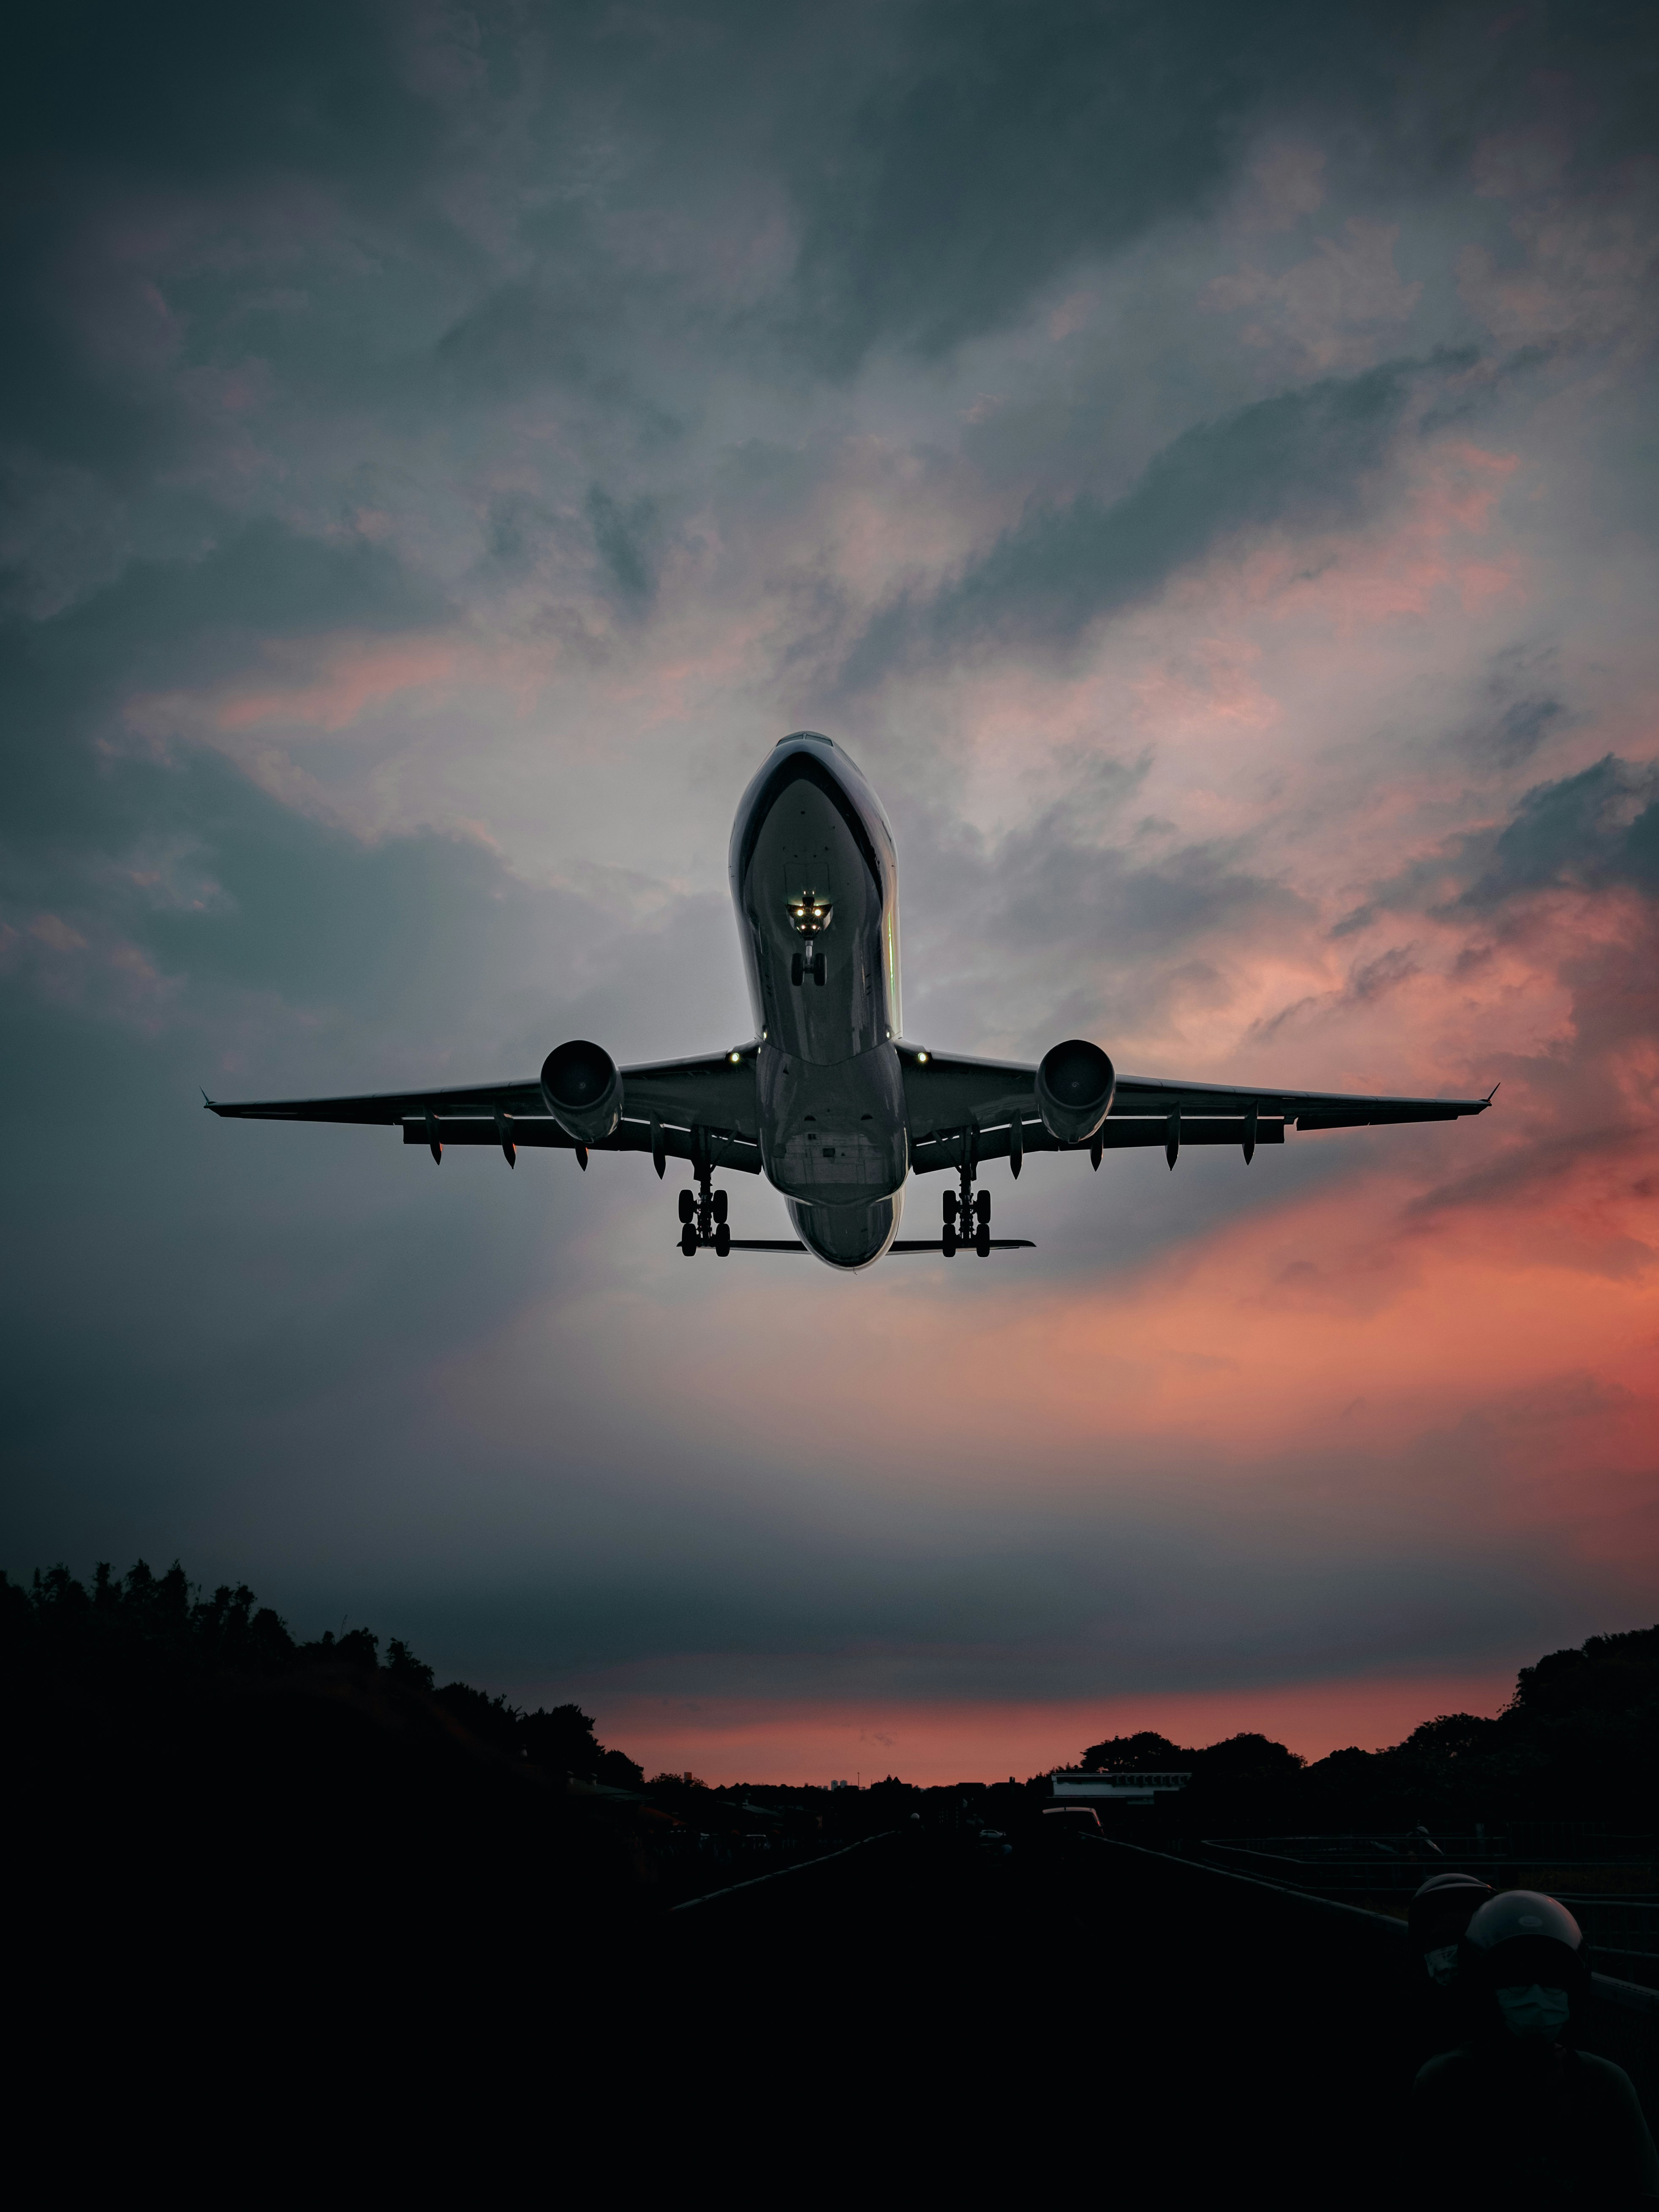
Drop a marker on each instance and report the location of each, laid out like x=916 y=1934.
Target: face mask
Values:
x=1534 y=2013
x=1441 y=1966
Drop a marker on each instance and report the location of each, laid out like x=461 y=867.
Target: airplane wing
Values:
x=953 y=1102
x=673 y=1108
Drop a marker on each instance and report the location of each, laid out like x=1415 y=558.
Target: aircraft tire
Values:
x=795 y=969
x=688 y=1205
x=722 y=1240
x=949 y=1244
x=689 y=1242
x=982 y=1241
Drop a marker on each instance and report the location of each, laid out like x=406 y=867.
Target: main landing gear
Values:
x=967 y=1218
x=702 y=1218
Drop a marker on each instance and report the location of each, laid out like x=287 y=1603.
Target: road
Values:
x=1084 y=2014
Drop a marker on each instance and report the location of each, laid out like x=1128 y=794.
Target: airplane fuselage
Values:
x=815 y=881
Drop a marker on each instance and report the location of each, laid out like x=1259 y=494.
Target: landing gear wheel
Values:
x=949 y=1247
x=688 y=1205
x=795 y=965
x=689 y=1242
x=950 y=1208
x=983 y=1205
x=719 y=1205
x=818 y=972
x=983 y=1240
x=723 y=1239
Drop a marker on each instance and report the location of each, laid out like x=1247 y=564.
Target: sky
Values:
x=1201 y=462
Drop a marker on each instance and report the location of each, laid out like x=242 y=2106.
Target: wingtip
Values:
x=1493 y=1093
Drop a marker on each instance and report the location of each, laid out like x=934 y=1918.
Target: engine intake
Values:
x=1074 y=1085
x=583 y=1091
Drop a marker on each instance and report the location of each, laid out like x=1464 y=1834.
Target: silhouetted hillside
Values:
x=135 y=1640
x=278 y=1831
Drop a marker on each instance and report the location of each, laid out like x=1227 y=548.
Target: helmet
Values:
x=1441 y=1910
x=1523 y=1937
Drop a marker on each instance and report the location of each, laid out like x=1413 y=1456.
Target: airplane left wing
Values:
x=953 y=1102
x=687 y=1110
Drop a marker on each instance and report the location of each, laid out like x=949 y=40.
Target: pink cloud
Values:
x=1329 y=309
x=356 y=674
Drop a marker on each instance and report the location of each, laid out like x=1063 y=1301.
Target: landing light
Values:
x=734 y=1057
x=921 y=1058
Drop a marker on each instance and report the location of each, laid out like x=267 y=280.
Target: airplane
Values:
x=830 y=1100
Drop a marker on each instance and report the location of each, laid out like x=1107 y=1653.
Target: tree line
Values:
x=1578 y=1740
x=131 y=1640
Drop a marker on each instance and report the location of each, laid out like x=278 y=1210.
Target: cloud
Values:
x=1304 y=456
x=1599 y=827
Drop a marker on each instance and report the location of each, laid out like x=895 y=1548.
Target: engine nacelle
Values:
x=1074 y=1085
x=583 y=1091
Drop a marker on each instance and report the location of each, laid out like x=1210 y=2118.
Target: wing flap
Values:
x=997 y=1244
x=943 y=1148
x=727 y=1148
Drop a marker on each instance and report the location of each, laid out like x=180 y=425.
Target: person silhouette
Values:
x=1439 y=1913
x=1518 y=2114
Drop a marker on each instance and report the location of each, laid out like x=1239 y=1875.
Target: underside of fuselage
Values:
x=847 y=1236
x=815 y=882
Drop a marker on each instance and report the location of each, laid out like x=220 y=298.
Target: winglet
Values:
x=206 y=1101
x=1493 y=1093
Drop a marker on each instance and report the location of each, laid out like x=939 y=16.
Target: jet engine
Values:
x=583 y=1091
x=1074 y=1084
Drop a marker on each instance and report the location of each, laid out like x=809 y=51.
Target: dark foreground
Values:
x=489 y=1994
x=1090 y=2015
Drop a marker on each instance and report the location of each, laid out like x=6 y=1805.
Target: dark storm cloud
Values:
x=942 y=163
x=163 y=623
x=181 y=98
x=625 y=540
x=1001 y=142
x=1583 y=832
x=1304 y=455
x=565 y=335
x=193 y=91
x=1588 y=831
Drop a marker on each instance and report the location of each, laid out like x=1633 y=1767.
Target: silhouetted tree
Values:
x=1143 y=1753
